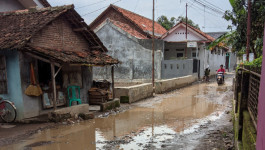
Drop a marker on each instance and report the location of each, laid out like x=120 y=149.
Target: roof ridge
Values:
x=36 y=9
x=132 y=12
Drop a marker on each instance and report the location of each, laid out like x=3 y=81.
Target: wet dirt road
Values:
x=177 y=120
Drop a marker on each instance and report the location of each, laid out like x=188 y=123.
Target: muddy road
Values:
x=195 y=117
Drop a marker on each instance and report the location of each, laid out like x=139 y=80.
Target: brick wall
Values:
x=60 y=35
x=121 y=22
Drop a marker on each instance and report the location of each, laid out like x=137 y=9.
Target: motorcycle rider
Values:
x=221 y=69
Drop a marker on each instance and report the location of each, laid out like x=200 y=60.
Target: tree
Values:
x=190 y=22
x=238 y=16
x=168 y=24
x=164 y=22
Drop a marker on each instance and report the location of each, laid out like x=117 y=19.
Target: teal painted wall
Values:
x=14 y=81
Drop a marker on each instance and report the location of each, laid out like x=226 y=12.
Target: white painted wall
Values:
x=179 y=35
x=11 y=5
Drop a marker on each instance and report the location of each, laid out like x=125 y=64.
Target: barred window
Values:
x=3 y=78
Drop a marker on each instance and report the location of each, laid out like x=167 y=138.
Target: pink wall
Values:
x=260 y=144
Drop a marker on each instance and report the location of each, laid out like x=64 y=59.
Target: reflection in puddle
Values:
x=136 y=127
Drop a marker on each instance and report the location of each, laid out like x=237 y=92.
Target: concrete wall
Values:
x=142 y=91
x=174 y=83
x=214 y=60
x=176 y=68
x=134 y=54
x=136 y=92
x=13 y=81
x=233 y=61
x=10 y=5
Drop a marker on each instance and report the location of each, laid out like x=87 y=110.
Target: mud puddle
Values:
x=148 y=125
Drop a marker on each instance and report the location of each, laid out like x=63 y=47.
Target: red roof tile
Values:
x=95 y=57
x=137 y=25
x=18 y=27
x=144 y=23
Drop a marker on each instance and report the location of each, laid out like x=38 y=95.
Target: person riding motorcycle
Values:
x=221 y=70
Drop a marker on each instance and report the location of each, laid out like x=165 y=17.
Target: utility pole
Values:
x=186 y=30
x=153 y=46
x=248 y=29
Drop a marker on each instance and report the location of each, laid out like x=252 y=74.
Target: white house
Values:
x=183 y=54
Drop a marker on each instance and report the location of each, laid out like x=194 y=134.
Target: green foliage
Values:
x=164 y=22
x=169 y=23
x=238 y=16
x=249 y=132
x=190 y=22
x=256 y=63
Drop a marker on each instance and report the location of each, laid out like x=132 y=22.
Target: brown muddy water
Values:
x=154 y=120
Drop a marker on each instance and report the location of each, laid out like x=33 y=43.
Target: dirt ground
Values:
x=208 y=127
x=12 y=133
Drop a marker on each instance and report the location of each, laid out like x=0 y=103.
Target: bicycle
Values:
x=8 y=111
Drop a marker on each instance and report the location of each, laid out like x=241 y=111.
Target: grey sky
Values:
x=170 y=8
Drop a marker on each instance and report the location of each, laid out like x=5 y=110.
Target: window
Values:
x=177 y=66
x=180 y=55
x=171 y=66
x=165 y=66
x=193 y=54
x=183 y=66
x=3 y=78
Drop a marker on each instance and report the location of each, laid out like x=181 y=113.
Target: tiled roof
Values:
x=18 y=27
x=45 y=3
x=208 y=37
x=139 y=26
x=96 y=57
x=144 y=23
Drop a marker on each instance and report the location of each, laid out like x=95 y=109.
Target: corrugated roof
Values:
x=18 y=27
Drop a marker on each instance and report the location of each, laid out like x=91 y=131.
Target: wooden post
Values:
x=53 y=85
x=153 y=48
x=112 y=78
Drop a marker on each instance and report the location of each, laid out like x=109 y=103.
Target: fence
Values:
x=178 y=68
x=246 y=104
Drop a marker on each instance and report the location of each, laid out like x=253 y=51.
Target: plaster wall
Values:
x=13 y=81
x=10 y=5
x=233 y=61
x=176 y=68
x=163 y=86
x=135 y=57
x=214 y=60
x=136 y=92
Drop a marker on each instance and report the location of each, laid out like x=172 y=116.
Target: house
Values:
x=182 y=52
x=62 y=50
x=11 y=5
x=128 y=37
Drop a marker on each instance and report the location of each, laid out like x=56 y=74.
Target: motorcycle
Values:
x=220 y=78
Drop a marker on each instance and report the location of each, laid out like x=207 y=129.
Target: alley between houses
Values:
x=194 y=117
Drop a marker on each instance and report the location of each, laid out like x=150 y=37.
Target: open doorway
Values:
x=44 y=72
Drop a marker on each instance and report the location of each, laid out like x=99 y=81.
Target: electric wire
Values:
x=91 y=4
x=100 y=8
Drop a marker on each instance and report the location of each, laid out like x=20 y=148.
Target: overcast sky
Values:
x=90 y=9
